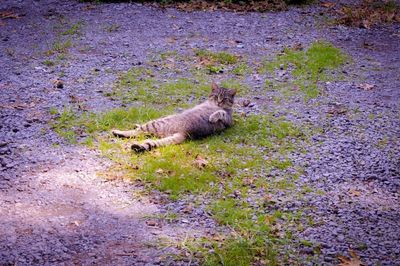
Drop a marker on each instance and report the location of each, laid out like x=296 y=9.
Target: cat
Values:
x=207 y=118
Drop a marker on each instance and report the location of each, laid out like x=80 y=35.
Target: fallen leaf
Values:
x=337 y=109
x=366 y=86
x=354 y=192
x=88 y=7
x=77 y=223
x=244 y=102
x=171 y=40
x=368 y=45
x=298 y=47
x=218 y=238
x=365 y=23
x=268 y=198
x=58 y=83
x=354 y=260
x=328 y=4
x=9 y=14
x=200 y=162
x=248 y=181
x=268 y=219
x=151 y=223
x=188 y=209
x=295 y=88
x=233 y=42
x=224 y=174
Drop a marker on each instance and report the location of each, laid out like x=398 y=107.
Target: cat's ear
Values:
x=232 y=92
x=214 y=86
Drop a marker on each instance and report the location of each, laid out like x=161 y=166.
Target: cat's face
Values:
x=224 y=98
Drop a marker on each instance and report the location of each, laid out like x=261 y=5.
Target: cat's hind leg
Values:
x=127 y=133
x=150 y=144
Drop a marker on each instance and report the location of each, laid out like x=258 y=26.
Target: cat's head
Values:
x=222 y=97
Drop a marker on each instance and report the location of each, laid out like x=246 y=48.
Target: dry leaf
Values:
x=354 y=192
x=366 y=86
x=268 y=199
x=295 y=88
x=188 y=209
x=218 y=238
x=200 y=162
x=58 y=83
x=365 y=24
x=171 y=40
x=244 y=102
x=328 y=4
x=268 y=219
x=151 y=223
x=298 y=47
x=9 y=14
x=337 y=109
x=353 y=261
x=248 y=181
x=88 y=7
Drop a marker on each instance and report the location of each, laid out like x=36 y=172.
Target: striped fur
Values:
x=203 y=120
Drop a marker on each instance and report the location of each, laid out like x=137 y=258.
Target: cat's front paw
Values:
x=213 y=118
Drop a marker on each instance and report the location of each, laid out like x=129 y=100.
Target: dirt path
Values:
x=56 y=208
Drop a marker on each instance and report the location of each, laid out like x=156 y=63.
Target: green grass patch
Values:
x=219 y=62
x=252 y=146
x=309 y=67
x=244 y=164
x=236 y=251
x=68 y=119
x=224 y=58
x=139 y=84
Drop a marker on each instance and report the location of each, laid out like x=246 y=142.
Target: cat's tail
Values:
x=149 y=144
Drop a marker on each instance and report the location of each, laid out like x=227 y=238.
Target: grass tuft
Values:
x=217 y=57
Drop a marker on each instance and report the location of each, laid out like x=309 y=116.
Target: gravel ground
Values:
x=56 y=209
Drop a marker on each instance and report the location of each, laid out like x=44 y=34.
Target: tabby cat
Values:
x=207 y=118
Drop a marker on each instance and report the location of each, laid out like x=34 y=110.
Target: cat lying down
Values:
x=207 y=118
